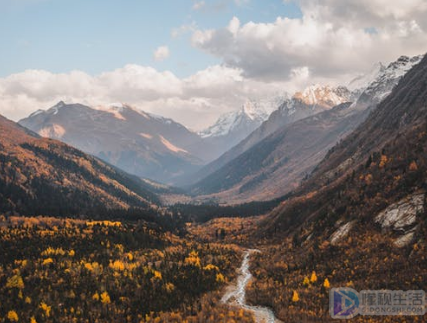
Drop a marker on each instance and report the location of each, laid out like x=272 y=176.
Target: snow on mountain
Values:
x=387 y=79
x=362 y=81
x=249 y=116
x=324 y=96
x=313 y=99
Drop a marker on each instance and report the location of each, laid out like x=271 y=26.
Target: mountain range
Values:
x=274 y=159
x=137 y=142
x=144 y=144
x=272 y=144
x=375 y=177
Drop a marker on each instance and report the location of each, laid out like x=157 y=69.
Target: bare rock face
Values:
x=402 y=214
x=341 y=232
x=404 y=240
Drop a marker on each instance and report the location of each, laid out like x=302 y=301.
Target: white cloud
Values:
x=184 y=29
x=161 y=53
x=234 y=25
x=198 y=5
x=196 y=101
x=332 y=39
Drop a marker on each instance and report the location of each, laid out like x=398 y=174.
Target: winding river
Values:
x=236 y=294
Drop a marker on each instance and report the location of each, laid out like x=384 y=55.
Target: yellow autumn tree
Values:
x=157 y=274
x=326 y=283
x=95 y=296
x=313 y=278
x=129 y=255
x=306 y=281
x=105 y=298
x=117 y=265
x=15 y=282
x=295 y=296
x=220 y=278
x=46 y=309
x=47 y=261
x=13 y=316
x=193 y=259
x=211 y=267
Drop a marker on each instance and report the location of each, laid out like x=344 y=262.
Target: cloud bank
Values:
x=332 y=39
x=195 y=101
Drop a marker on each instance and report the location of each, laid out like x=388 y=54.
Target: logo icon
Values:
x=343 y=303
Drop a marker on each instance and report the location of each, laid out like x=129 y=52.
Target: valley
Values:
x=110 y=213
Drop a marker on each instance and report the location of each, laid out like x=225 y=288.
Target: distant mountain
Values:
x=309 y=102
x=277 y=164
x=250 y=116
x=137 y=142
x=46 y=177
x=362 y=81
x=233 y=127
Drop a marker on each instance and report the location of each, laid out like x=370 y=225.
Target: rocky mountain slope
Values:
x=382 y=162
x=137 y=142
x=309 y=102
x=359 y=221
x=278 y=163
x=46 y=177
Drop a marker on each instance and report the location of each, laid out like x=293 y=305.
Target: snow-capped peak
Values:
x=253 y=110
x=250 y=115
x=222 y=126
x=325 y=96
x=250 y=110
x=359 y=83
x=402 y=65
x=388 y=78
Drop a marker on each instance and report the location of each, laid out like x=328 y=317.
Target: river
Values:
x=236 y=293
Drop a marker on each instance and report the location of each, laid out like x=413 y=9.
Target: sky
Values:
x=193 y=60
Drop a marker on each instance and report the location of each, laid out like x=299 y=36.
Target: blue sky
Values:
x=101 y=35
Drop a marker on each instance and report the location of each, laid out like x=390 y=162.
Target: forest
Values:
x=67 y=270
